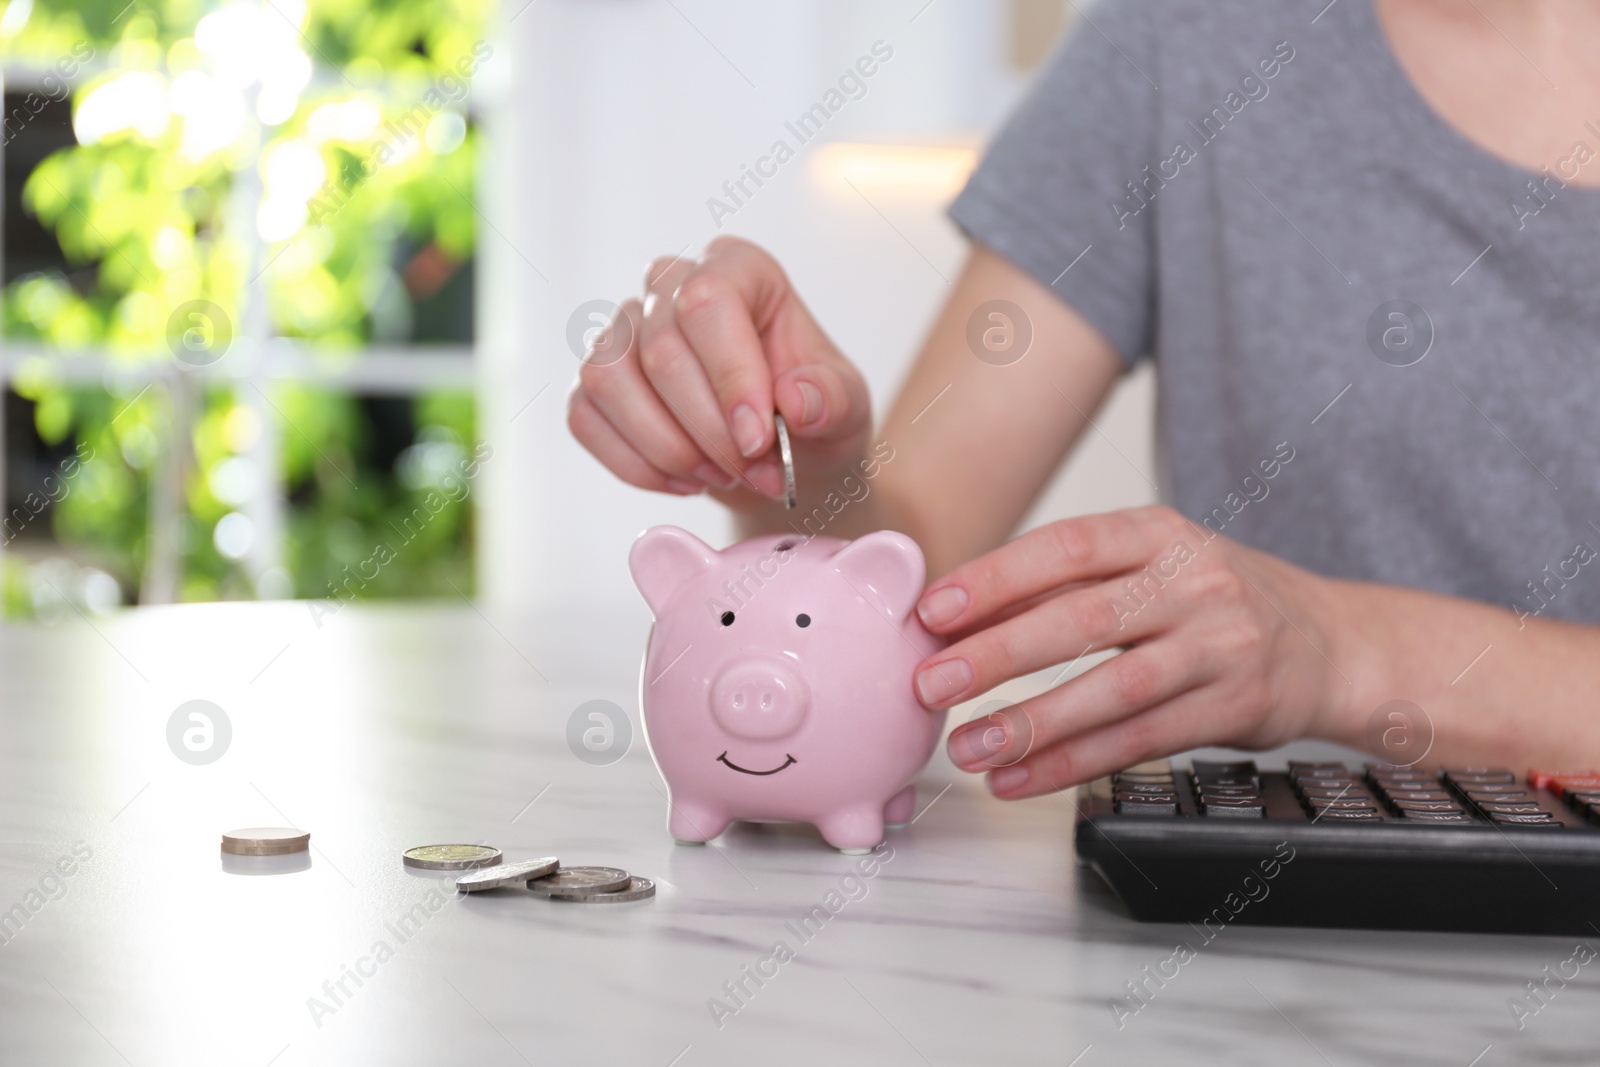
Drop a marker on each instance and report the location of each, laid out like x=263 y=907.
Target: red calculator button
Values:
x=1558 y=782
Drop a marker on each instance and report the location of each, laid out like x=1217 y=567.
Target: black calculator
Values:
x=1478 y=849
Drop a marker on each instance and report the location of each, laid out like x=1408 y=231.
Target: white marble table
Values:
x=980 y=941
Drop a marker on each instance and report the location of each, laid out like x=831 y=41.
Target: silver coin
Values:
x=265 y=841
x=580 y=881
x=787 y=454
x=451 y=857
x=508 y=874
x=638 y=889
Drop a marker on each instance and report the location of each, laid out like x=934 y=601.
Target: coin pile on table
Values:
x=543 y=877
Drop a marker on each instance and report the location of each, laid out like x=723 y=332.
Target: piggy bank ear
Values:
x=662 y=559
x=887 y=566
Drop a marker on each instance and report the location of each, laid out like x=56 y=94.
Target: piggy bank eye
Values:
x=727 y=618
x=802 y=620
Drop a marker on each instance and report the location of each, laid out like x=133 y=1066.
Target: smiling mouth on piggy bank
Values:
x=787 y=761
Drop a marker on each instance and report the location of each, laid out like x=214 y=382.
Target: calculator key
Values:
x=1499 y=798
x=1144 y=806
x=1543 y=818
x=1504 y=789
x=1590 y=811
x=1145 y=787
x=1583 y=802
x=1230 y=782
x=1560 y=783
x=1219 y=791
x=1418 y=794
x=1214 y=769
x=1156 y=766
x=1390 y=786
x=1526 y=808
x=1336 y=815
x=1233 y=809
x=1479 y=774
x=1405 y=806
x=1351 y=789
x=1131 y=776
x=1407 y=774
x=1146 y=798
x=1336 y=771
x=1206 y=801
x=1343 y=805
x=1452 y=817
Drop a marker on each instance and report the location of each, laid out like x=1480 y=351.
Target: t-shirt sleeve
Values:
x=1055 y=192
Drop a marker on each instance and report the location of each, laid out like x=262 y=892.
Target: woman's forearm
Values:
x=1492 y=687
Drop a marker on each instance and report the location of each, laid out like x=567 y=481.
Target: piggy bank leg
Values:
x=897 y=813
x=854 y=831
x=692 y=823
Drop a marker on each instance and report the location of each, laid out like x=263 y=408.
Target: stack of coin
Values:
x=543 y=877
x=593 y=885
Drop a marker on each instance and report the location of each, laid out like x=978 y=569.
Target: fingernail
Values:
x=766 y=479
x=685 y=487
x=976 y=744
x=938 y=682
x=939 y=606
x=1005 y=779
x=810 y=403
x=748 y=431
x=715 y=476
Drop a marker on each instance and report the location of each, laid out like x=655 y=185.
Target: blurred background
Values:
x=294 y=290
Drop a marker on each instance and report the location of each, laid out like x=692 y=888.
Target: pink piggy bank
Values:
x=777 y=683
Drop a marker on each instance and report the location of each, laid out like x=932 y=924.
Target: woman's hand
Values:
x=678 y=394
x=1224 y=645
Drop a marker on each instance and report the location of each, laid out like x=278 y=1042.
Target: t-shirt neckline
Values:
x=1419 y=114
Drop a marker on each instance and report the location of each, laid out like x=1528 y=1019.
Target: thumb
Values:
x=820 y=401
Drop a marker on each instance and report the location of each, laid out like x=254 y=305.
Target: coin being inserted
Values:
x=265 y=841
x=571 y=882
x=450 y=857
x=507 y=874
x=787 y=455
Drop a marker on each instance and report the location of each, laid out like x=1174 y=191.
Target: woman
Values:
x=1362 y=243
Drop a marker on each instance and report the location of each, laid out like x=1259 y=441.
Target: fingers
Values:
x=1186 y=722
x=619 y=391
x=1094 y=546
x=717 y=307
x=1077 y=623
x=1139 y=679
x=716 y=347
x=674 y=371
x=597 y=434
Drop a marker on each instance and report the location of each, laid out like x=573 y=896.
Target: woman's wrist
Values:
x=1354 y=667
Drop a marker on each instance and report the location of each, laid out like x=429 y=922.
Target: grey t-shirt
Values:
x=1375 y=341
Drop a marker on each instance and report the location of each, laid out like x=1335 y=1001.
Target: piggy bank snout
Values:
x=760 y=699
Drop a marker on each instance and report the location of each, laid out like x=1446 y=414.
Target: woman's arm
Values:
x=1226 y=645
x=1495 y=687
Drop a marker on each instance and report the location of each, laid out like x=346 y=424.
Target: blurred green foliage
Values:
x=346 y=148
